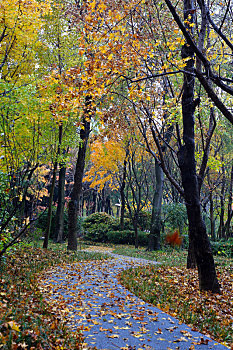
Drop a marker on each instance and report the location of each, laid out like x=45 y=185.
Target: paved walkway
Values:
x=112 y=317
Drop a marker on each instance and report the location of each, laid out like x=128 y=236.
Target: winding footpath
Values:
x=111 y=316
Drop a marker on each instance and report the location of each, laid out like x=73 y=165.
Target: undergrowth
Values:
x=174 y=289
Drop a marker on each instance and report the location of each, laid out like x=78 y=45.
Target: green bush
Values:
x=102 y=227
x=175 y=216
x=127 y=224
x=127 y=237
x=224 y=248
x=144 y=220
x=42 y=222
x=96 y=226
x=143 y=238
x=121 y=237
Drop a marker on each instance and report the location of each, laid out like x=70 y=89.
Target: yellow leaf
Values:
x=14 y=326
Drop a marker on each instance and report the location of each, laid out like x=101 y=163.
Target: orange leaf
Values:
x=174 y=239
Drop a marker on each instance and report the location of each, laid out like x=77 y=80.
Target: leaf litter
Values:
x=108 y=314
x=175 y=291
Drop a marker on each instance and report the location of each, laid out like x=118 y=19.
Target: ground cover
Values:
x=26 y=320
x=168 y=256
x=174 y=289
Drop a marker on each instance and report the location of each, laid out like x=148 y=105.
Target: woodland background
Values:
x=116 y=126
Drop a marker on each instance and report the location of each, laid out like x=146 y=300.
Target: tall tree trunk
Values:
x=73 y=208
x=135 y=226
x=154 y=237
x=122 y=191
x=229 y=210
x=186 y=157
x=108 y=205
x=94 y=197
x=49 y=217
x=212 y=221
x=50 y=208
x=222 y=209
x=191 y=260
x=59 y=227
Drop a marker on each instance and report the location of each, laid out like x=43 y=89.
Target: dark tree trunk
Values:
x=49 y=217
x=197 y=231
x=154 y=237
x=212 y=221
x=73 y=208
x=135 y=226
x=222 y=209
x=93 y=209
x=108 y=205
x=99 y=203
x=122 y=192
x=59 y=227
x=191 y=261
x=229 y=210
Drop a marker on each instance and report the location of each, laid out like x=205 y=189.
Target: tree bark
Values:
x=73 y=208
x=222 y=209
x=49 y=217
x=154 y=237
x=186 y=157
x=122 y=192
x=135 y=226
x=59 y=227
x=229 y=210
x=212 y=221
x=191 y=261
x=94 y=196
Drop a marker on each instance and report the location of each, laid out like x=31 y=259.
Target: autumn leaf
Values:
x=13 y=325
x=174 y=239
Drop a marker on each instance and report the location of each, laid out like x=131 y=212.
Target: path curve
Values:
x=112 y=317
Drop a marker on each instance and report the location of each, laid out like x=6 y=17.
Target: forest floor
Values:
x=27 y=321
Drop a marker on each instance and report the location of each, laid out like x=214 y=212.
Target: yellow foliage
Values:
x=20 y=23
x=107 y=159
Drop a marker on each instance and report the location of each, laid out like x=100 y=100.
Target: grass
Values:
x=174 y=289
x=167 y=257
x=26 y=320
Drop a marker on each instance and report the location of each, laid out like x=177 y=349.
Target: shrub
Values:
x=127 y=237
x=102 y=227
x=96 y=226
x=144 y=220
x=224 y=248
x=143 y=238
x=127 y=224
x=42 y=222
x=175 y=216
x=121 y=237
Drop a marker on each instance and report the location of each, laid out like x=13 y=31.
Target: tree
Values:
x=20 y=25
x=73 y=208
x=109 y=158
x=199 y=241
x=138 y=175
